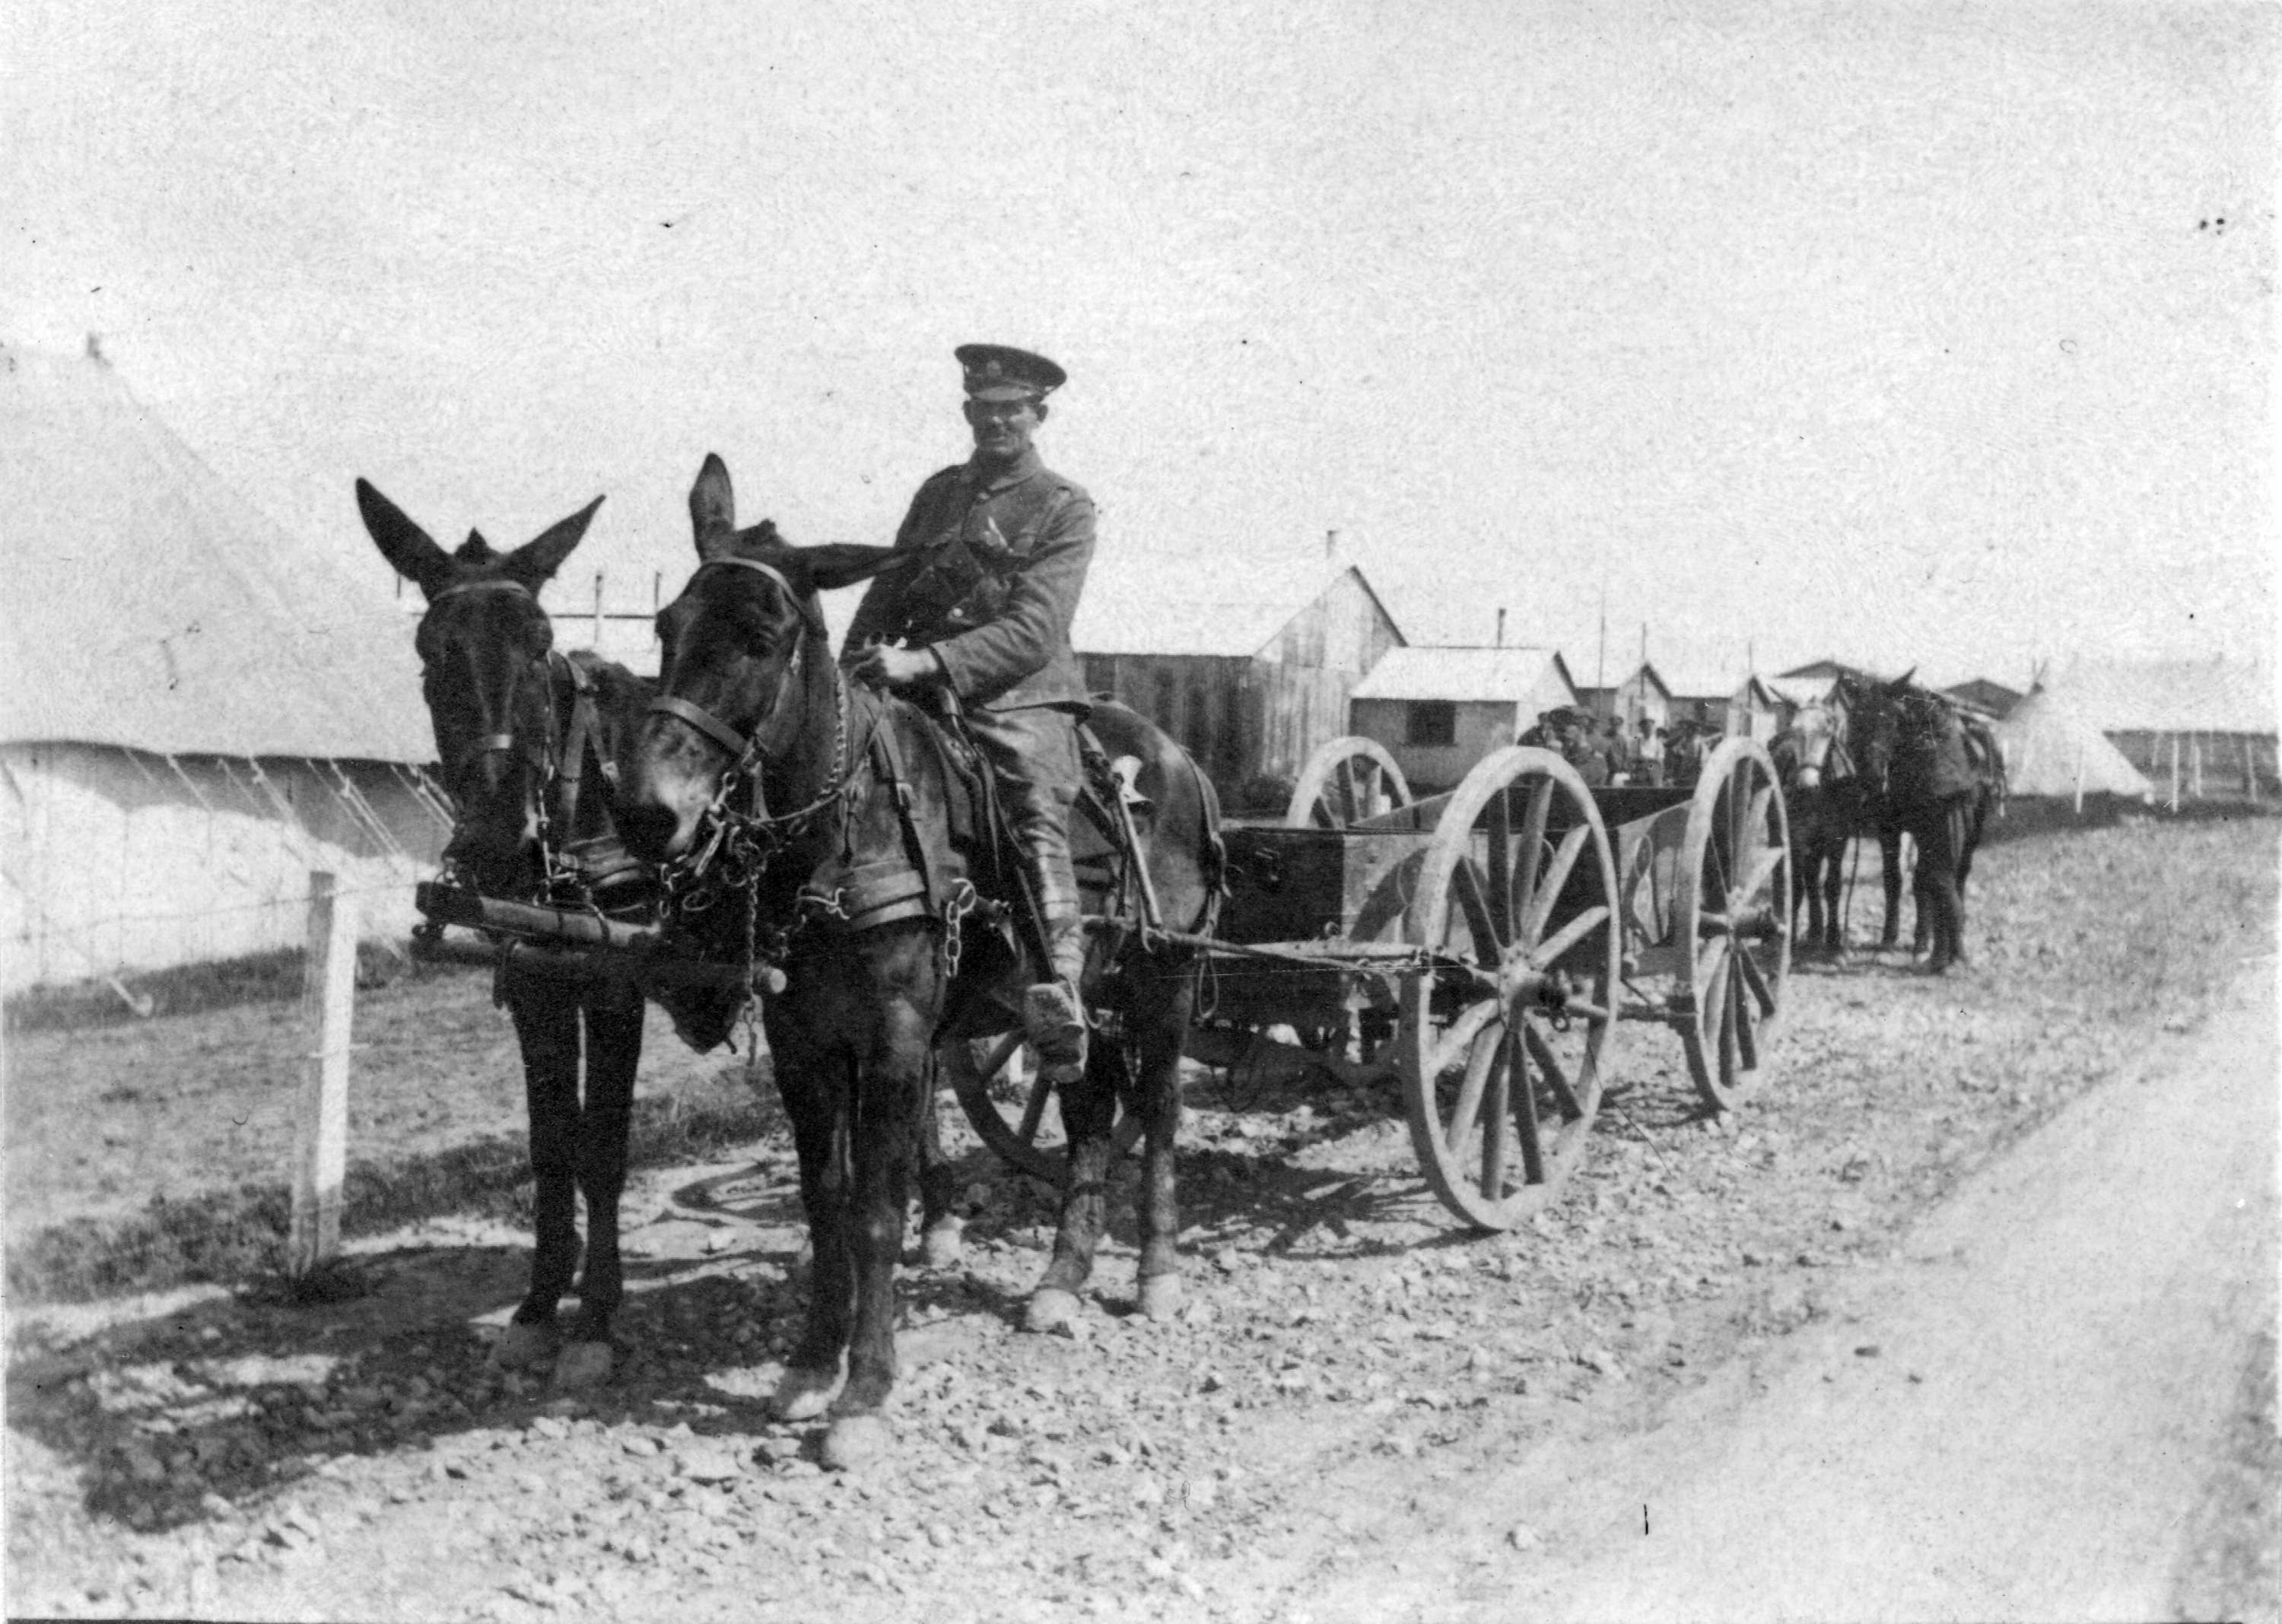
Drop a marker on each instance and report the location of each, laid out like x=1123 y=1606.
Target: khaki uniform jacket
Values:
x=998 y=560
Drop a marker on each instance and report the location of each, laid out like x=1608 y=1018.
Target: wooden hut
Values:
x=1439 y=711
x=1993 y=700
x=1249 y=667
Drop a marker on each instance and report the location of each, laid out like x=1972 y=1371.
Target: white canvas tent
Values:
x=2051 y=750
x=195 y=708
x=2199 y=727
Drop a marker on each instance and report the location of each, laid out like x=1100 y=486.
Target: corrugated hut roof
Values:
x=146 y=605
x=1217 y=605
x=1800 y=690
x=1467 y=675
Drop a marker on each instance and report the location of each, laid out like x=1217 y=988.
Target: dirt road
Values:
x=1968 y=1315
x=2017 y=1418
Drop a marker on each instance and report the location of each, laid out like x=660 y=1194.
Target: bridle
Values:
x=547 y=753
x=1834 y=762
x=490 y=743
x=733 y=844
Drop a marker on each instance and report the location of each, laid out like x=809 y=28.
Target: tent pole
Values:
x=2079 y=780
x=2175 y=771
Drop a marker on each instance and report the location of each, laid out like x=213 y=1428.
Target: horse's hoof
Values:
x=802 y=1395
x=1161 y=1297
x=1051 y=1309
x=520 y=1346
x=853 y=1442
x=944 y=1246
x=583 y=1364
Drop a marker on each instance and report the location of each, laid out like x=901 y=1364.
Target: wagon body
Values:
x=1332 y=895
x=1483 y=943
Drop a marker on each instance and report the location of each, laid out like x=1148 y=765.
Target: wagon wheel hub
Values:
x=1521 y=987
x=1751 y=922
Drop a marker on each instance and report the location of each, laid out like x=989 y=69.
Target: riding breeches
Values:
x=1034 y=752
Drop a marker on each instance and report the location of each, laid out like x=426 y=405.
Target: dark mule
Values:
x=825 y=829
x=1937 y=779
x=1827 y=804
x=528 y=738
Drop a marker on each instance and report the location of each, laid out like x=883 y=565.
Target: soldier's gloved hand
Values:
x=883 y=665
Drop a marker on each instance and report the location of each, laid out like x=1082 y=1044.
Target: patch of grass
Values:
x=237 y=1236
x=186 y=989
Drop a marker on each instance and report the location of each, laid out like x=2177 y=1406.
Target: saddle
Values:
x=966 y=862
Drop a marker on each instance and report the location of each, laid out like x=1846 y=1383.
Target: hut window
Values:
x=1198 y=737
x=1431 y=721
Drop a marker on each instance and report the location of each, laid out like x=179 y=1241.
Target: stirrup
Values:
x=1053 y=1021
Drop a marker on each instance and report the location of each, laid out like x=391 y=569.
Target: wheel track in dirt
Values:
x=2018 y=1420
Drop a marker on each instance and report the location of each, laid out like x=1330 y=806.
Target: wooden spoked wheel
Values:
x=1345 y=781
x=1505 y=1038
x=1733 y=917
x=1013 y=1110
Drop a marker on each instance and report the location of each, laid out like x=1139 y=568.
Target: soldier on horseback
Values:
x=997 y=548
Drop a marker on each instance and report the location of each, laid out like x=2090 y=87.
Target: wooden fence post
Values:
x=321 y=1134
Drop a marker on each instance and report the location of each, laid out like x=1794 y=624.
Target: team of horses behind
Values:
x=1889 y=761
x=832 y=846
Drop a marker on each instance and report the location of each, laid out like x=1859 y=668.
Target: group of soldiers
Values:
x=1607 y=751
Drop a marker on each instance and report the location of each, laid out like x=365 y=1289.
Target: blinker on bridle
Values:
x=490 y=743
x=747 y=749
x=741 y=747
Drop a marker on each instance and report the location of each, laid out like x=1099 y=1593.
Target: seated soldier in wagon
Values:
x=999 y=548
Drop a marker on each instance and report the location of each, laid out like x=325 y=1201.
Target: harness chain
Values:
x=750 y=840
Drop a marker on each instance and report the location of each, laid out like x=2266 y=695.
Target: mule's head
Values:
x=1874 y=711
x=1814 y=747
x=483 y=643
x=732 y=648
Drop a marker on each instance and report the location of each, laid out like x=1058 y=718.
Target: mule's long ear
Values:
x=410 y=551
x=535 y=562
x=712 y=505
x=844 y=564
x=1901 y=684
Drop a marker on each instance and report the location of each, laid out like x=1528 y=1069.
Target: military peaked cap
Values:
x=1000 y=372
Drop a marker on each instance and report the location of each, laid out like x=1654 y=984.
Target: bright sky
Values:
x=1912 y=334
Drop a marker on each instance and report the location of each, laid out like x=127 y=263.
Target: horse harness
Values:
x=738 y=837
x=575 y=870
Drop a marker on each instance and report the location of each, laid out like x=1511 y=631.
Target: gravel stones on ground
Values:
x=1150 y=1468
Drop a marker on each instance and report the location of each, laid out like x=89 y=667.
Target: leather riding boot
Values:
x=1053 y=1013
